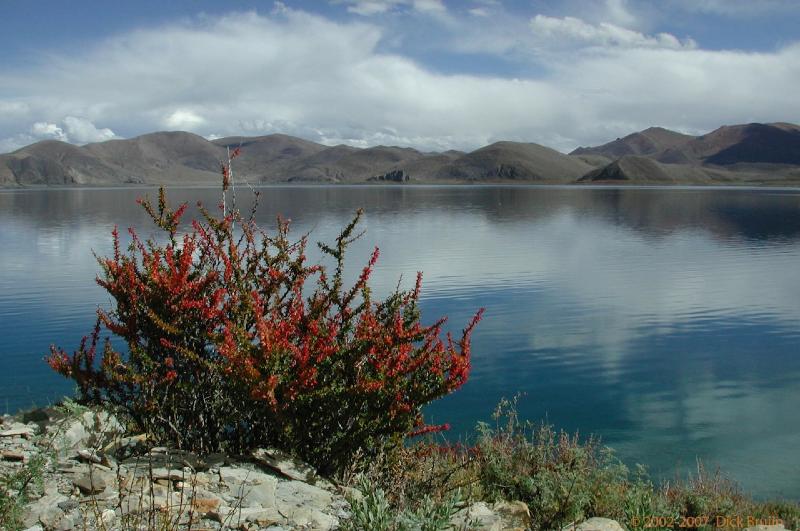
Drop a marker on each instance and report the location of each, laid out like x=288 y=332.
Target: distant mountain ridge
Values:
x=748 y=154
x=740 y=154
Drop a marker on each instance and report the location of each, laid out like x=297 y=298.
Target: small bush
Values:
x=559 y=477
x=374 y=511
x=235 y=342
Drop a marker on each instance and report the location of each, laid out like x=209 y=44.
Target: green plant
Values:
x=373 y=511
x=431 y=515
x=16 y=488
x=370 y=511
x=235 y=342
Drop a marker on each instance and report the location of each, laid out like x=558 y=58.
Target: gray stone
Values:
x=24 y=431
x=68 y=505
x=515 y=514
x=90 y=483
x=135 y=504
x=596 y=524
x=51 y=517
x=288 y=466
x=89 y=456
x=250 y=487
x=108 y=517
x=260 y=516
x=131 y=442
x=304 y=504
x=773 y=527
x=479 y=517
x=351 y=493
x=90 y=430
x=303 y=493
x=46 y=505
x=204 y=502
x=169 y=474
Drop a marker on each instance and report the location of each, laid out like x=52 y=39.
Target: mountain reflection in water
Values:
x=667 y=321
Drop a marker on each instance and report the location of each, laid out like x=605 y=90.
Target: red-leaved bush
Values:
x=236 y=342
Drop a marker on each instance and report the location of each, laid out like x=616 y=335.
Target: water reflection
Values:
x=667 y=321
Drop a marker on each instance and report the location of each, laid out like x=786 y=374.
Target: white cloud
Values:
x=429 y=6
x=48 y=131
x=375 y=7
x=303 y=74
x=183 y=119
x=618 y=13
x=82 y=131
x=564 y=32
x=72 y=129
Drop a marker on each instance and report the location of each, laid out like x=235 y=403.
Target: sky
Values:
x=429 y=74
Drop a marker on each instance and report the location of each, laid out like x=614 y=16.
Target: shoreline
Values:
x=792 y=186
x=86 y=470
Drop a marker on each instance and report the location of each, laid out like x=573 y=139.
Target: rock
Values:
x=262 y=517
x=351 y=493
x=304 y=504
x=108 y=517
x=772 y=527
x=479 y=517
x=250 y=487
x=515 y=515
x=169 y=474
x=90 y=430
x=68 y=505
x=286 y=465
x=89 y=456
x=129 y=444
x=595 y=524
x=293 y=493
x=205 y=502
x=46 y=505
x=135 y=504
x=398 y=176
x=52 y=517
x=36 y=527
x=13 y=455
x=25 y=431
x=90 y=483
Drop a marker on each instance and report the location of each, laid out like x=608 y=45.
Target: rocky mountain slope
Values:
x=740 y=154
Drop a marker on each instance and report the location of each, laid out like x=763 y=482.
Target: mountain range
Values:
x=749 y=154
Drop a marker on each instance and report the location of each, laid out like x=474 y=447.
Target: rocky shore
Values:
x=83 y=471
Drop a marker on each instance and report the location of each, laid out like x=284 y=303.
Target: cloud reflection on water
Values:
x=668 y=321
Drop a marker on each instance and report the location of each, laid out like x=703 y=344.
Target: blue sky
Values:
x=432 y=74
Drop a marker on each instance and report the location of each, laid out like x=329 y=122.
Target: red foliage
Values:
x=234 y=342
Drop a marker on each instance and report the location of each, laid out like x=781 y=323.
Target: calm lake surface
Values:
x=667 y=321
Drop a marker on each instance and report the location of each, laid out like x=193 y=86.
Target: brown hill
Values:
x=651 y=141
x=633 y=169
x=268 y=158
x=353 y=165
x=174 y=156
x=745 y=154
x=741 y=154
x=514 y=161
x=52 y=162
x=777 y=143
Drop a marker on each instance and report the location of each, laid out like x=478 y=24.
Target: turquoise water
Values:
x=667 y=321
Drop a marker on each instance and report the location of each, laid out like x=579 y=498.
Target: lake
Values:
x=666 y=321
